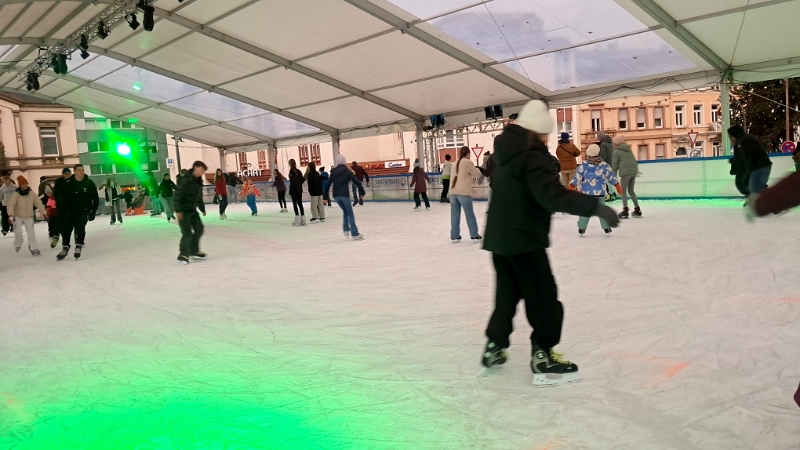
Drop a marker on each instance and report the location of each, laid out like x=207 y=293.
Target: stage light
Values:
x=59 y=64
x=32 y=81
x=137 y=87
x=149 y=14
x=84 y=46
x=133 y=22
x=102 y=30
x=124 y=149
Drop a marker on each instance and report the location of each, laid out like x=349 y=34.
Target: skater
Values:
x=101 y=198
x=517 y=236
x=568 y=155
x=188 y=199
x=296 y=180
x=777 y=199
x=151 y=189
x=280 y=186
x=755 y=161
x=80 y=203
x=461 y=198
x=626 y=168
x=591 y=178
x=340 y=178
x=419 y=181
x=324 y=177
x=447 y=169
x=52 y=216
x=606 y=147
x=314 y=181
x=741 y=177
x=167 y=189
x=233 y=195
x=113 y=195
x=361 y=175
x=20 y=206
x=249 y=191
x=487 y=168
x=59 y=189
x=7 y=188
x=221 y=191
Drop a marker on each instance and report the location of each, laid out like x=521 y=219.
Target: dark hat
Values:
x=66 y=170
x=736 y=131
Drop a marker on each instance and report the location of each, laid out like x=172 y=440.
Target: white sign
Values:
x=392 y=164
x=170 y=163
x=693 y=137
x=250 y=172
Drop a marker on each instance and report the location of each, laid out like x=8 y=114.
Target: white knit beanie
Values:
x=593 y=150
x=341 y=160
x=534 y=116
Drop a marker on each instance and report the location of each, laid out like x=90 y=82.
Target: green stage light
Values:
x=137 y=87
x=133 y=120
x=124 y=149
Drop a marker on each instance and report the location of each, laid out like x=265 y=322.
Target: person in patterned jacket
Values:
x=591 y=178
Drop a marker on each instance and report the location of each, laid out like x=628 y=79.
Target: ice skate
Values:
x=296 y=221
x=313 y=220
x=581 y=232
x=347 y=235
x=5 y=233
x=355 y=202
x=455 y=240
x=17 y=249
x=637 y=213
x=302 y=221
x=253 y=214
x=78 y=250
x=361 y=201
x=35 y=252
x=359 y=237
x=427 y=208
x=199 y=255
x=63 y=253
x=53 y=242
x=550 y=368
x=493 y=355
x=322 y=220
x=416 y=208
x=476 y=239
x=222 y=217
x=624 y=213
x=608 y=232
x=183 y=259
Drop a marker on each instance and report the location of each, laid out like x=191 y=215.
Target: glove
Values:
x=91 y=216
x=570 y=187
x=608 y=214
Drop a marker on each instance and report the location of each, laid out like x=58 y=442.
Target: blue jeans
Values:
x=456 y=203
x=251 y=202
x=583 y=222
x=759 y=178
x=349 y=219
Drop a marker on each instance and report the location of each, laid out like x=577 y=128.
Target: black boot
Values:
x=78 y=250
x=550 y=368
x=63 y=253
x=624 y=213
x=493 y=355
x=637 y=213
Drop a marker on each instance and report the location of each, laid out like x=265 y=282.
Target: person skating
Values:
x=7 y=188
x=777 y=199
x=250 y=191
x=52 y=217
x=341 y=177
x=526 y=195
x=755 y=162
x=20 y=206
x=606 y=147
x=167 y=189
x=315 y=192
x=280 y=187
x=233 y=194
x=151 y=187
x=113 y=196
x=568 y=154
x=625 y=166
x=221 y=191
x=80 y=203
x=361 y=175
x=324 y=177
x=296 y=180
x=447 y=170
x=419 y=181
x=188 y=199
x=464 y=171
x=101 y=198
x=591 y=178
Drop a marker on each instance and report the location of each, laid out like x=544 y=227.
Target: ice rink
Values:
x=685 y=325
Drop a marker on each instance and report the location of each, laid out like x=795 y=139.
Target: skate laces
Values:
x=558 y=357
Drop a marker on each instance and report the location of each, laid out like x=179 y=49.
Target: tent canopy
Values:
x=242 y=74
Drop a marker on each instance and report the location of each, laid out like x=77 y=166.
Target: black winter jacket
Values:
x=189 y=195
x=167 y=188
x=525 y=194
x=296 y=180
x=754 y=154
x=314 y=183
x=340 y=178
x=79 y=197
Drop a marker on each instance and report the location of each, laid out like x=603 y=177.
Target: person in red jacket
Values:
x=361 y=175
x=419 y=181
x=52 y=216
x=221 y=191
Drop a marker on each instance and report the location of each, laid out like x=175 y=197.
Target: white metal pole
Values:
x=725 y=108
x=420 y=146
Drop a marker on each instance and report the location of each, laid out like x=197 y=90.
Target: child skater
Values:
x=591 y=178
x=249 y=191
x=419 y=181
x=280 y=187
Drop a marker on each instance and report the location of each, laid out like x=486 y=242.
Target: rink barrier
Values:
x=667 y=179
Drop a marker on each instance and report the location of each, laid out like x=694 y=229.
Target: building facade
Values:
x=37 y=139
x=120 y=150
x=660 y=126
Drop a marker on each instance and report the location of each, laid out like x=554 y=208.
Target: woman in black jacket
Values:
x=339 y=181
x=296 y=180
x=314 y=181
x=167 y=188
x=525 y=195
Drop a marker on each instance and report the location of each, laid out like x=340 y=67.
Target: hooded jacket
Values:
x=168 y=188
x=340 y=178
x=296 y=180
x=419 y=181
x=623 y=163
x=279 y=183
x=220 y=188
x=754 y=154
x=21 y=204
x=80 y=197
x=6 y=192
x=314 y=183
x=567 y=154
x=360 y=172
x=525 y=194
x=189 y=195
x=606 y=147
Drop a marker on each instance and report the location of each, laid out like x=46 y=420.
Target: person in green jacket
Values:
x=626 y=167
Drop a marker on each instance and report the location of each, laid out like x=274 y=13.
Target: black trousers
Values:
x=743 y=183
x=445 y=188
x=424 y=197
x=191 y=232
x=282 y=199
x=52 y=227
x=75 y=222
x=526 y=276
x=6 y=222
x=223 y=203
x=297 y=203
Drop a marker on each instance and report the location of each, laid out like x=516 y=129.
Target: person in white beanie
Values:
x=526 y=194
x=340 y=179
x=591 y=178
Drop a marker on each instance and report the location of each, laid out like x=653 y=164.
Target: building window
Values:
x=697 y=114
x=451 y=139
x=641 y=118
x=116 y=124
x=303 y=155
x=659 y=151
x=658 y=117
x=717 y=148
x=96 y=124
x=565 y=127
x=316 y=156
x=681 y=152
x=95 y=147
x=49 y=140
x=715 y=113
x=153 y=166
x=101 y=169
x=680 y=110
x=122 y=167
x=262 y=160
x=597 y=124
x=564 y=120
x=623 y=118
x=241 y=159
x=643 y=152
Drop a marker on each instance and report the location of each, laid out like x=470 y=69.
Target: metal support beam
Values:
x=291 y=65
x=679 y=31
x=272 y=154
x=407 y=28
x=335 y=146
x=222 y=159
x=420 y=145
x=725 y=100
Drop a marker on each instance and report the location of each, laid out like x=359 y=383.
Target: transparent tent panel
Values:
x=217 y=107
x=619 y=59
x=147 y=84
x=275 y=125
x=428 y=8
x=95 y=68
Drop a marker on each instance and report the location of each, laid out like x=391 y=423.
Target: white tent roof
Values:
x=244 y=73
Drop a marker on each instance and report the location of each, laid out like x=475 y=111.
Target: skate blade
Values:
x=555 y=379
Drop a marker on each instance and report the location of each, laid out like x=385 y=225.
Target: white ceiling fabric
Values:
x=246 y=73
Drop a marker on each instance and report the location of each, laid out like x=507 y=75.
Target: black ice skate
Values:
x=581 y=231
x=78 y=250
x=550 y=368
x=637 y=213
x=477 y=239
x=624 y=213
x=199 y=255
x=493 y=355
x=35 y=252
x=608 y=232
x=63 y=254
x=183 y=259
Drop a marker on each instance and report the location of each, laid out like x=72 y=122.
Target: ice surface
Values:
x=685 y=324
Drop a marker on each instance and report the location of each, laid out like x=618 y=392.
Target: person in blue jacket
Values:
x=326 y=199
x=339 y=180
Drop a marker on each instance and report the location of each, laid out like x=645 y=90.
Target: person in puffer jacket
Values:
x=626 y=167
x=591 y=178
x=340 y=179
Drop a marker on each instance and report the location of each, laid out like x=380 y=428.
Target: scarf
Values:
x=596 y=160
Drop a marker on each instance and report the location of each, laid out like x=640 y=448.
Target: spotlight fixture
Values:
x=102 y=30
x=59 y=64
x=149 y=14
x=84 y=46
x=437 y=121
x=133 y=21
x=493 y=112
x=32 y=81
